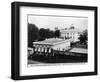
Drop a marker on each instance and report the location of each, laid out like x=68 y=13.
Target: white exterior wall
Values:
x=74 y=36
x=63 y=34
x=61 y=46
x=42 y=48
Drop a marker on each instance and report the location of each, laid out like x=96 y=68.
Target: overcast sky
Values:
x=58 y=21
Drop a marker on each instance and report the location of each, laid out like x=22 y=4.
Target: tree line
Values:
x=36 y=34
x=84 y=37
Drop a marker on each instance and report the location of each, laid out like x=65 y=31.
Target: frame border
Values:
x=15 y=40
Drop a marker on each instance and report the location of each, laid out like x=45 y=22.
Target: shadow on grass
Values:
x=58 y=58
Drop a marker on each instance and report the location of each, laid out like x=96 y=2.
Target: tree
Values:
x=57 y=33
x=84 y=37
x=33 y=34
x=45 y=33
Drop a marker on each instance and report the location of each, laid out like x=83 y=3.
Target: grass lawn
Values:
x=59 y=58
x=79 y=45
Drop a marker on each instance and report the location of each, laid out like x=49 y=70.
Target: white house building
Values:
x=63 y=43
x=51 y=44
x=71 y=33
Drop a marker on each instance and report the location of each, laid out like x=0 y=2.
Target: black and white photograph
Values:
x=54 y=39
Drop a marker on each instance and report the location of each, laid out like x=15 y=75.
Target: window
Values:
x=38 y=49
x=35 y=49
x=45 y=49
x=63 y=49
x=49 y=50
x=67 y=33
x=42 y=49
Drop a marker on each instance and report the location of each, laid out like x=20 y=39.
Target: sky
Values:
x=61 y=22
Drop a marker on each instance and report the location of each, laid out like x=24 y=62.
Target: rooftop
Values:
x=51 y=41
x=79 y=50
x=71 y=30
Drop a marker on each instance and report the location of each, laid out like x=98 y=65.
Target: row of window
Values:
x=42 y=50
x=36 y=45
x=68 y=33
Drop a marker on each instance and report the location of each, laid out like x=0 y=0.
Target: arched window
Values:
x=49 y=50
x=35 y=49
x=42 y=49
x=39 y=49
x=45 y=49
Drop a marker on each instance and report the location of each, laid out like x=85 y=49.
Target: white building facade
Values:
x=70 y=33
x=49 y=45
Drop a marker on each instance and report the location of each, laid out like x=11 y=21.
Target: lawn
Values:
x=79 y=45
x=59 y=58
